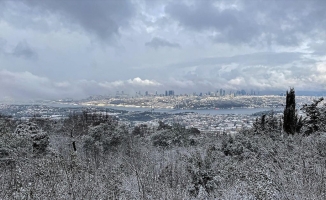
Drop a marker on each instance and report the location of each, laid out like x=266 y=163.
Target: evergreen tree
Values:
x=315 y=116
x=289 y=125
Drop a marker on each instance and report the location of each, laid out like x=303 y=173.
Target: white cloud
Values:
x=28 y=86
x=238 y=81
x=145 y=82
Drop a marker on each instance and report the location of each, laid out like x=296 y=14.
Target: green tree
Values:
x=289 y=125
x=315 y=116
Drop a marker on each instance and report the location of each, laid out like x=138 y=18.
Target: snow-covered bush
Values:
x=203 y=177
x=30 y=131
x=104 y=137
x=315 y=119
x=175 y=135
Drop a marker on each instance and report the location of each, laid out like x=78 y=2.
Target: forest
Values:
x=89 y=156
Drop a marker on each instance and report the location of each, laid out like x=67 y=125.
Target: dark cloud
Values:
x=202 y=15
x=157 y=42
x=48 y=48
x=24 y=50
x=103 y=18
x=262 y=58
x=253 y=22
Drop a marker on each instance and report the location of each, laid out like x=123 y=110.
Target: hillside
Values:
x=96 y=157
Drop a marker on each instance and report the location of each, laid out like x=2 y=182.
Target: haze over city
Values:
x=59 y=49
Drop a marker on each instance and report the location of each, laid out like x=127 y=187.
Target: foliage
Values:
x=175 y=135
x=315 y=117
x=104 y=137
x=289 y=124
x=78 y=123
x=141 y=130
x=203 y=177
x=7 y=124
x=163 y=126
x=111 y=163
x=268 y=125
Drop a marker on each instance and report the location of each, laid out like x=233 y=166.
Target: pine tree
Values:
x=289 y=124
x=315 y=116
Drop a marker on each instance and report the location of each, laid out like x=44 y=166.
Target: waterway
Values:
x=239 y=111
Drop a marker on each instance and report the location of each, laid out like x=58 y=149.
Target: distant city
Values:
x=169 y=99
x=216 y=93
x=220 y=92
x=218 y=111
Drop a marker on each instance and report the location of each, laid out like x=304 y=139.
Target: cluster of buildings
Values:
x=229 y=123
x=220 y=92
x=207 y=123
x=194 y=102
x=185 y=109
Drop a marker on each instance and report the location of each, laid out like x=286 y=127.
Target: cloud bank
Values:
x=57 y=49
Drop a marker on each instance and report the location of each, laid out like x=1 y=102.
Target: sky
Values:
x=77 y=48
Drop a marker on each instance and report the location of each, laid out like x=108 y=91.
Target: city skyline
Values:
x=216 y=93
x=75 y=49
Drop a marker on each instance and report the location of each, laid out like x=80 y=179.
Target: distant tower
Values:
x=166 y=93
x=146 y=93
x=221 y=92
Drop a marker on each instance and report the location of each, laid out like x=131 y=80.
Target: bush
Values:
x=104 y=137
x=177 y=135
x=315 y=117
x=203 y=177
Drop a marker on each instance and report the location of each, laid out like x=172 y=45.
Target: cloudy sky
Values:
x=76 y=48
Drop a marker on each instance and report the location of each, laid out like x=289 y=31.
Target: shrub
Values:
x=104 y=137
x=177 y=135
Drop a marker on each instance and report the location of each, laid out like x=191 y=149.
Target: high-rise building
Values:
x=146 y=93
x=221 y=92
x=166 y=93
x=171 y=93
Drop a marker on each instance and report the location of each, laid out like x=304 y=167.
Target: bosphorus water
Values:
x=239 y=111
